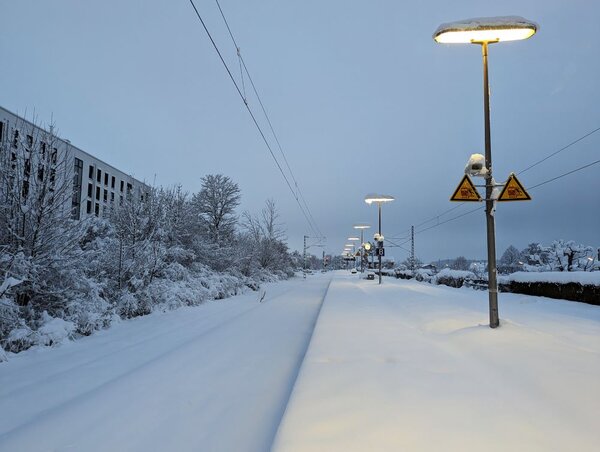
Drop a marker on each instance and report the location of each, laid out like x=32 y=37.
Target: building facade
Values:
x=35 y=155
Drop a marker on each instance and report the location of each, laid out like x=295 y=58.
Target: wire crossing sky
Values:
x=360 y=96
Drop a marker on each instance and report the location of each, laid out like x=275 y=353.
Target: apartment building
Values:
x=96 y=186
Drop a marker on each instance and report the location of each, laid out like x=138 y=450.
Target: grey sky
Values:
x=362 y=99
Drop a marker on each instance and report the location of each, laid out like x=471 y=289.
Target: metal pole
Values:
x=412 y=249
x=304 y=256
x=489 y=204
x=379 y=208
x=362 y=251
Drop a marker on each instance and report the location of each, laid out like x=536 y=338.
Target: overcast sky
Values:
x=362 y=98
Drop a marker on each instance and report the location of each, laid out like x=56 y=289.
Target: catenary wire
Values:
x=521 y=172
x=529 y=188
x=243 y=63
x=251 y=114
x=560 y=150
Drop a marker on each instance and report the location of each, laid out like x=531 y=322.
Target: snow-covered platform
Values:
x=215 y=377
x=407 y=366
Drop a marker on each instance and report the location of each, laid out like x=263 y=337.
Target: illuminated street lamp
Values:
x=485 y=31
x=379 y=199
x=361 y=227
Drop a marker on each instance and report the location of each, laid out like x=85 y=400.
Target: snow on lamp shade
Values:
x=488 y=29
x=374 y=197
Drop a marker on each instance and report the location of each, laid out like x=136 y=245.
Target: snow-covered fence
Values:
x=574 y=286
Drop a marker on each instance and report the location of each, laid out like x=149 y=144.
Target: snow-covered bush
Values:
x=54 y=331
x=452 y=278
x=63 y=278
x=423 y=274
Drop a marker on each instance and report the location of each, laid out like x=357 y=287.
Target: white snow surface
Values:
x=484 y=23
x=407 y=366
x=451 y=273
x=584 y=278
x=215 y=377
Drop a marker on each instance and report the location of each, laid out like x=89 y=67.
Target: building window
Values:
x=1 y=130
x=54 y=156
x=112 y=196
x=89 y=207
x=99 y=175
x=121 y=200
x=105 y=195
x=29 y=141
x=40 y=173
x=97 y=209
x=91 y=172
x=122 y=185
x=15 y=142
x=112 y=183
x=90 y=191
x=43 y=147
x=77 y=182
x=97 y=193
x=105 y=178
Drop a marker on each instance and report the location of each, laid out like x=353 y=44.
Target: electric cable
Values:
x=252 y=115
x=243 y=63
x=560 y=150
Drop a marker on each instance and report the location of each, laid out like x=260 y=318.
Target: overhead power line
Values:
x=314 y=230
x=266 y=115
x=445 y=212
x=529 y=188
x=560 y=150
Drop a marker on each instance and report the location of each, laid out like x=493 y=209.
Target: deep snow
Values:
x=402 y=366
x=213 y=377
x=408 y=366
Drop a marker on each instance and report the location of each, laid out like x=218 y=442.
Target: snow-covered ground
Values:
x=407 y=366
x=216 y=377
x=404 y=366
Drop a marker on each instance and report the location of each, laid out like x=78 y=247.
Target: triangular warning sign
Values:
x=513 y=190
x=465 y=191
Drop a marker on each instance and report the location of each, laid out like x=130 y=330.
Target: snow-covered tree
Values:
x=535 y=257
x=460 y=263
x=411 y=264
x=570 y=256
x=511 y=260
x=215 y=206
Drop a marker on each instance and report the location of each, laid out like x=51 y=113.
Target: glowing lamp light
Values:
x=354 y=239
x=361 y=226
x=374 y=197
x=367 y=246
x=488 y=29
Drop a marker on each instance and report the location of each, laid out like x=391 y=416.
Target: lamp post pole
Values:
x=361 y=252
x=489 y=203
x=486 y=31
x=379 y=209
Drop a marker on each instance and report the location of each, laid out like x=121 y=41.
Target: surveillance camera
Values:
x=476 y=166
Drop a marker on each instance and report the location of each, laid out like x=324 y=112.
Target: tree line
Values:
x=61 y=277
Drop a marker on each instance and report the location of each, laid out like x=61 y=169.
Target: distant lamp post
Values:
x=485 y=31
x=379 y=199
x=361 y=227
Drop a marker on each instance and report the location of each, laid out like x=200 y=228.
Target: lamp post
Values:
x=483 y=32
x=361 y=227
x=354 y=239
x=379 y=199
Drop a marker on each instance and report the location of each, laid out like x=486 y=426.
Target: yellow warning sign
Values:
x=465 y=191
x=513 y=190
